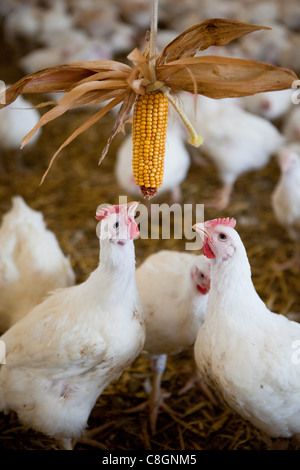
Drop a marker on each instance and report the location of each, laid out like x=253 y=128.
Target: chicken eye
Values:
x=116 y=225
x=202 y=275
x=222 y=236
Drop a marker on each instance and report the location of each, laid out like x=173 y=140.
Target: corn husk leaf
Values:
x=128 y=102
x=69 y=101
x=79 y=96
x=84 y=127
x=212 y=32
x=62 y=78
x=222 y=77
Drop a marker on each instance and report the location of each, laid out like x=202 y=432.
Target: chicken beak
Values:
x=207 y=239
x=200 y=228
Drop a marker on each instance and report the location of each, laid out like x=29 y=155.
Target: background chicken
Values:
x=31 y=262
x=236 y=141
x=173 y=287
x=62 y=355
x=291 y=125
x=244 y=350
x=286 y=197
x=270 y=104
x=16 y=120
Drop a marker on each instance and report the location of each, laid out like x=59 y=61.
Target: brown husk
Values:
x=212 y=32
x=221 y=77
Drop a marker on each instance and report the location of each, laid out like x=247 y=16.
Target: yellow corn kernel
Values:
x=149 y=131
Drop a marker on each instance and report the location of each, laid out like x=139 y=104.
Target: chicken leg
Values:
x=223 y=198
x=293 y=262
x=156 y=398
x=196 y=379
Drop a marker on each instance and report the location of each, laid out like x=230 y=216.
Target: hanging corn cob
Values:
x=177 y=69
x=149 y=130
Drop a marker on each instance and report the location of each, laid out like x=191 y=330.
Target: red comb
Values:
x=102 y=213
x=225 y=221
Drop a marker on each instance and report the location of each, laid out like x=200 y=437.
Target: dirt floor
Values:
x=74 y=188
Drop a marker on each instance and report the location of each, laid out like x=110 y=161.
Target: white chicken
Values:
x=30 y=21
x=286 y=197
x=244 y=351
x=16 y=120
x=173 y=287
x=83 y=50
x=177 y=164
x=270 y=104
x=68 y=349
x=32 y=263
x=237 y=141
x=289 y=54
x=291 y=125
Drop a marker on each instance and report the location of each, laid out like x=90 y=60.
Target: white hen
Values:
x=291 y=125
x=237 y=141
x=286 y=197
x=270 y=104
x=30 y=21
x=177 y=164
x=173 y=287
x=245 y=351
x=16 y=120
x=31 y=262
x=68 y=349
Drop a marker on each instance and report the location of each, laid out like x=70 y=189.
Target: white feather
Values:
x=32 y=263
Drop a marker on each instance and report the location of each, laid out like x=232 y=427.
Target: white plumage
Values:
x=177 y=163
x=62 y=355
x=291 y=125
x=70 y=51
x=16 y=120
x=29 y=21
x=31 y=263
x=245 y=351
x=237 y=141
x=270 y=104
x=173 y=287
x=286 y=196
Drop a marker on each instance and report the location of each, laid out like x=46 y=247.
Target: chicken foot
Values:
x=156 y=399
x=223 y=198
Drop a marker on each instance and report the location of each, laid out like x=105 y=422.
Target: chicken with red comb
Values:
x=69 y=348
x=245 y=352
x=173 y=287
x=201 y=228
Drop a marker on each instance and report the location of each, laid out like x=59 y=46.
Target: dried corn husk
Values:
x=176 y=69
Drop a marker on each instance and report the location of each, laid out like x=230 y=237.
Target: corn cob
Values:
x=149 y=131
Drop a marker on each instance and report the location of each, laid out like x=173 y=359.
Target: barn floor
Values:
x=74 y=188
